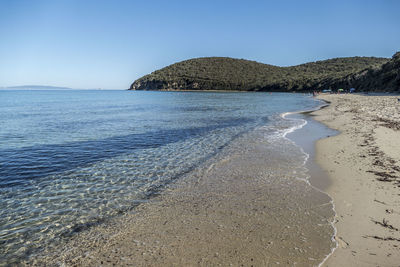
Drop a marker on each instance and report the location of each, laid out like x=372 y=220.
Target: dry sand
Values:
x=363 y=162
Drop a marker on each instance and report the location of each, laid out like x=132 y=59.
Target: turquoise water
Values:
x=72 y=159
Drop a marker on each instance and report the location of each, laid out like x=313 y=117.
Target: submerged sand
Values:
x=363 y=162
x=251 y=206
x=244 y=209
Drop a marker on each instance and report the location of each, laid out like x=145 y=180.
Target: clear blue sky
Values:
x=108 y=44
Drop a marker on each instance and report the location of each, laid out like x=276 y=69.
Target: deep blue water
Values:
x=69 y=159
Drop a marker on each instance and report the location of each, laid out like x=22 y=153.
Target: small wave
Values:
x=292 y=129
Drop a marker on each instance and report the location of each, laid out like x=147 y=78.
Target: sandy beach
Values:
x=251 y=205
x=222 y=215
x=363 y=164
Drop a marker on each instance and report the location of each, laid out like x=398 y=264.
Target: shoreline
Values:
x=361 y=162
x=240 y=218
x=222 y=91
x=336 y=140
x=306 y=138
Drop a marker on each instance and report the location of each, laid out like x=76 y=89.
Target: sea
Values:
x=73 y=159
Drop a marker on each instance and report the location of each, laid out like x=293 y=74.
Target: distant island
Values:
x=223 y=73
x=36 y=87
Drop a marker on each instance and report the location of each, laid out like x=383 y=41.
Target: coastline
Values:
x=359 y=172
x=220 y=91
x=362 y=163
x=239 y=218
x=306 y=138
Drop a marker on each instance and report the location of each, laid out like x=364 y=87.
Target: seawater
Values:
x=73 y=159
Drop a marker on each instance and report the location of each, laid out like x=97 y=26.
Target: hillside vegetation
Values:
x=383 y=78
x=220 y=73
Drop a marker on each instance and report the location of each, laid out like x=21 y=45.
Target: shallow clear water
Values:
x=71 y=159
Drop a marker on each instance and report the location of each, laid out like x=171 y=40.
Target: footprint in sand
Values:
x=341 y=242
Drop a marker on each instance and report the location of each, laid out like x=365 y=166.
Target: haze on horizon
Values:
x=108 y=44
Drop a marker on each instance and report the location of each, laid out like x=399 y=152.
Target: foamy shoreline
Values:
x=242 y=217
x=362 y=162
x=320 y=175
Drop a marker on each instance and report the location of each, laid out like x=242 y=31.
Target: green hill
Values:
x=382 y=78
x=220 y=73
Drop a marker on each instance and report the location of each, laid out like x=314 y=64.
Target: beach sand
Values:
x=225 y=215
x=363 y=162
x=247 y=207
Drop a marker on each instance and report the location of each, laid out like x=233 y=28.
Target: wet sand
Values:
x=363 y=162
x=306 y=137
x=251 y=206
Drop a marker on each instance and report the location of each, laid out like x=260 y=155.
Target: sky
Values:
x=109 y=44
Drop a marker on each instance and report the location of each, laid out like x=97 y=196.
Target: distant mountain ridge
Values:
x=221 y=73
